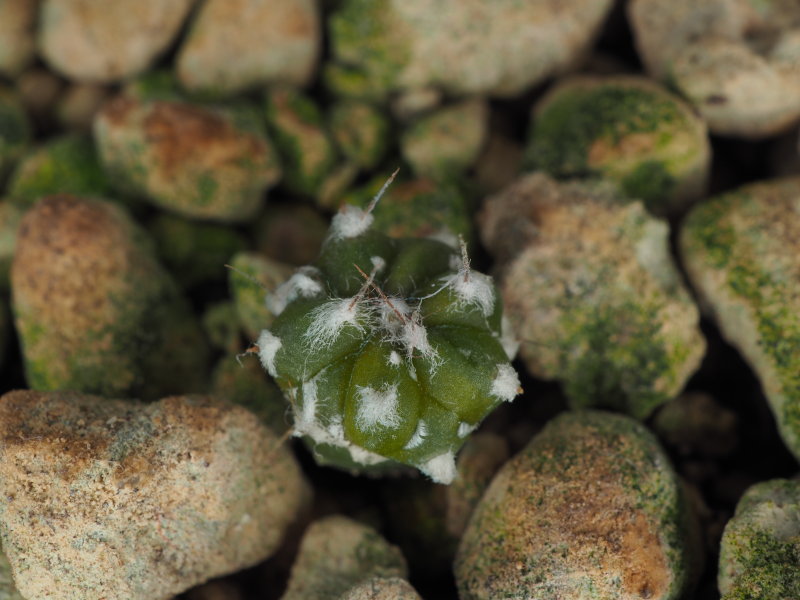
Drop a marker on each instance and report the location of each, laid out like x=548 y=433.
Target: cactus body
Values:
x=395 y=361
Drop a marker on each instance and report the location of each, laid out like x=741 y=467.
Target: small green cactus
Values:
x=389 y=350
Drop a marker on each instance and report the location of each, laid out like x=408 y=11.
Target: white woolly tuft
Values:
x=506 y=384
x=446 y=237
x=349 y=222
x=404 y=326
x=441 y=469
x=301 y=283
x=464 y=429
x=377 y=407
x=333 y=435
x=268 y=346
x=475 y=288
x=508 y=340
x=377 y=263
x=308 y=412
x=329 y=318
x=420 y=433
x=394 y=359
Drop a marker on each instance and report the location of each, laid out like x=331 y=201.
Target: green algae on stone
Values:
x=302 y=141
x=15 y=131
x=462 y=47
x=741 y=254
x=591 y=289
x=418 y=207
x=194 y=252
x=94 y=310
x=8 y=591
x=336 y=554
x=361 y=132
x=589 y=509
x=393 y=368
x=65 y=165
x=290 y=233
x=196 y=160
x=243 y=382
x=628 y=130
x=760 y=548
x=446 y=142
x=251 y=277
x=107 y=498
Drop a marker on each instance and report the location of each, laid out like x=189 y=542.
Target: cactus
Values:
x=388 y=350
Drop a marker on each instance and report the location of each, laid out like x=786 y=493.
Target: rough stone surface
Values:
x=382 y=588
x=337 y=553
x=78 y=105
x=107 y=42
x=111 y=499
x=735 y=60
x=592 y=292
x=741 y=254
x=628 y=130
x=101 y=42
x=94 y=310
x=193 y=160
x=234 y=45
x=760 y=547
x=589 y=510
x=462 y=47
x=17 y=23
x=448 y=141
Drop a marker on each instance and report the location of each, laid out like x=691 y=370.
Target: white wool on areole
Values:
x=464 y=429
x=329 y=318
x=508 y=340
x=420 y=433
x=505 y=385
x=378 y=263
x=301 y=284
x=377 y=407
x=473 y=288
x=333 y=435
x=268 y=346
x=441 y=469
x=349 y=222
x=308 y=411
x=394 y=359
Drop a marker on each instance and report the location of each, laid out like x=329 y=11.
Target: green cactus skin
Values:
x=399 y=368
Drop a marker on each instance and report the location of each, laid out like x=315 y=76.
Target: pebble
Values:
x=94 y=310
x=194 y=160
x=382 y=588
x=79 y=104
x=107 y=42
x=10 y=217
x=741 y=255
x=446 y=142
x=760 y=548
x=15 y=131
x=337 y=553
x=592 y=292
x=17 y=32
x=694 y=423
x=361 y=132
x=290 y=233
x=307 y=152
x=628 y=130
x=462 y=47
x=236 y=45
x=113 y=499
x=735 y=61
x=590 y=509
